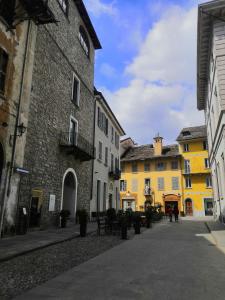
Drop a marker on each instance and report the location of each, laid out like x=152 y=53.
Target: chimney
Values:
x=158 y=145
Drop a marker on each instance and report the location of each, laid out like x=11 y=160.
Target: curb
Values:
x=71 y=237
x=207 y=226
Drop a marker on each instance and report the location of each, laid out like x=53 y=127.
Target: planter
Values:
x=83 y=229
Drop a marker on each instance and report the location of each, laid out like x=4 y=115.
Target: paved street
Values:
x=170 y=261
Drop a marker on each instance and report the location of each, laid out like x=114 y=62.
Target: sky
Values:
x=146 y=68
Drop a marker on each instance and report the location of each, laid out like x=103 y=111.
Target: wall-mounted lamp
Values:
x=21 y=129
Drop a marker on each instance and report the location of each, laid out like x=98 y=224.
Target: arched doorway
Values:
x=171 y=201
x=69 y=192
x=188 y=207
x=1 y=161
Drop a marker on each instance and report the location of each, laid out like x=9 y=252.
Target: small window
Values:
x=160 y=183
x=160 y=166
x=174 y=165
x=100 y=150
x=208 y=182
x=84 y=41
x=207 y=163
x=112 y=162
x=205 y=145
x=106 y=156
x=147 y=182
x=175 y=183
x=117 y=139
x=64 y=4
x=3 y=69
x=188 y=183
x=134 y=167
x=123 y=185
x=186 y=147
x=76 y=90
x=73 y=134
x=146 y=166
x=187 y=166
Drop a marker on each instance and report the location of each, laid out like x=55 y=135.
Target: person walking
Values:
x=170 y=212
x=176 y=213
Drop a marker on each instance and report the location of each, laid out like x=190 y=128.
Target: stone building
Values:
x=59 y=140
x=106 y=173
x=211 y=91
x=18 y=25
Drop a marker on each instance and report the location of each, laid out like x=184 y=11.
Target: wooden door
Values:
x=189 y=208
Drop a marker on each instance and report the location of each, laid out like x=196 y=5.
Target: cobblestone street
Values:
x=171 y=261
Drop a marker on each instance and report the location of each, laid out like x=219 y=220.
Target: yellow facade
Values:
x=199 y=194
x=189 y=192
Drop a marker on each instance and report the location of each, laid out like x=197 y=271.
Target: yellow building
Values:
x=197 y=183
x=151 y=172
x=159 y=173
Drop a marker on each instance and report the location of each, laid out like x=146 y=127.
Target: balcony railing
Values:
x=75 y=143
x=196 y=171
x=115 y=174
x=187 y=171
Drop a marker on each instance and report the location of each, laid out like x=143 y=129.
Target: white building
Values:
x=106 y=171
x=211 y=91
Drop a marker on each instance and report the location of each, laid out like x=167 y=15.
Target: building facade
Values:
x=106 y=172
x=59 y=139
x=173 y=175
x=151 y=173
x=197 y=192
x=211 y=92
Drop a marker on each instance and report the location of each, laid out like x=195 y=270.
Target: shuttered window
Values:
x=175 y=183
x=160 y=183
x=134 y=185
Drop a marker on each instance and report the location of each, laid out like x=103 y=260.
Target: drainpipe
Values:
x=11 y=166
x=93 y=161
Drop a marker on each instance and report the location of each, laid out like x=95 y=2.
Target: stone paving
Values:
x=172 y=261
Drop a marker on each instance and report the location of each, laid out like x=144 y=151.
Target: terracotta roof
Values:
x=145 y=152
x=191 y=133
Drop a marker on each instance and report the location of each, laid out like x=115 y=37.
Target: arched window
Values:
x=84 y=40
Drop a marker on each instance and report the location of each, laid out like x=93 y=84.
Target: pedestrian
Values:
x=170 y=212
x=176 y=213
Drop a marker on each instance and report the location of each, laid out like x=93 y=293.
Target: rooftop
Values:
x=145 y=152
x=191 y=133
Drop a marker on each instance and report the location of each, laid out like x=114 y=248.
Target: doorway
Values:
x=188 y=207
x=208 y=204
x=170 y=204
x=70 y=193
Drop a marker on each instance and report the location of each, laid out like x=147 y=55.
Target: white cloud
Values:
x=161 y=96
x=97 y=7
x=107 y=70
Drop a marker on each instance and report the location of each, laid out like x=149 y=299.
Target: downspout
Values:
x=11 y=166
x=93 y=161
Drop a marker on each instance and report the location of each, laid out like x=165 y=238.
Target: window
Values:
x=112 y=135
x=73 y=134
x=106 y=156
x=208 y=181
x=104 y=195
x=134 y=185
x=147 y=182
x=207 y=163
x=117 y=139
x=64 y=6
x=99 y=117
x=175 y=183
x=84 y=41
x=187 y=167
x=160 y=166
x=106 y=127
x=160 y=183
x=146 y=166
x=188 y=182
x=3 y=69
x=76 y=90
x=112 y=163
x=174 y=165
x=100 y=150
x=134 y=167
x=205 y=145
x=186 y=147
x=7 y=10
x=123 y=185
x=116 y=163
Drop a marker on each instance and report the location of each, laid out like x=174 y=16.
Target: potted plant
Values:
x=64 y=215
x=83 y=218
x=137 y=223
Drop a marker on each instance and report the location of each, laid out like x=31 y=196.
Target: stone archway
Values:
x=188 y=207
x=69 y=192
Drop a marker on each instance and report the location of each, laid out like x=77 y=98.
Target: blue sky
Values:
x=147 y=67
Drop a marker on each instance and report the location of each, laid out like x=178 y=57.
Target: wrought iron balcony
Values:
x=76 y=144
x=38 y=11
x=115 y=174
